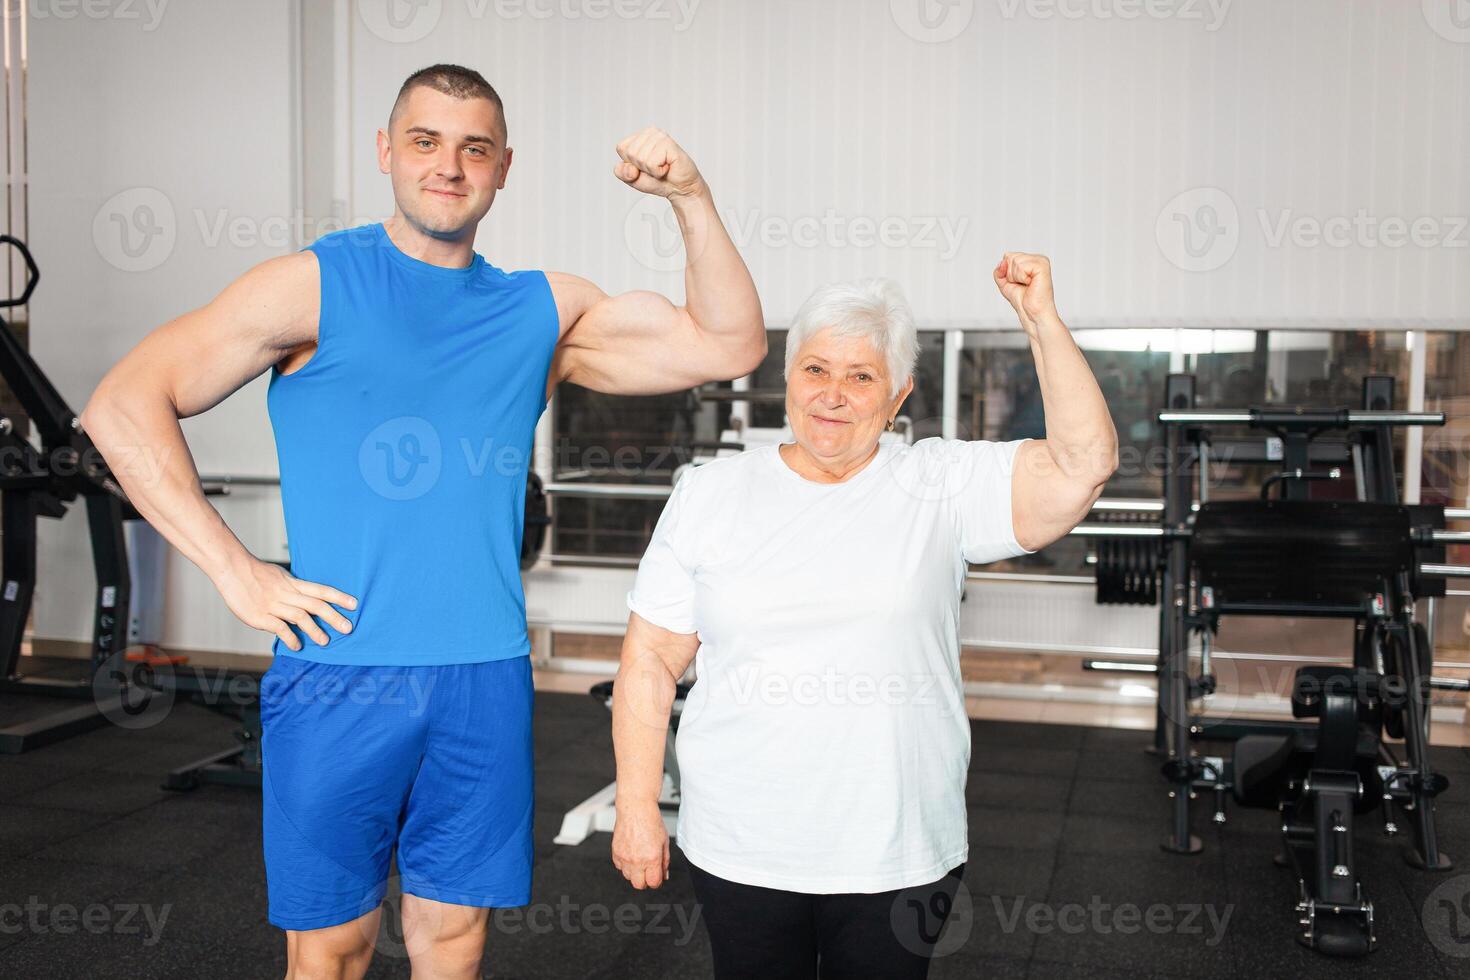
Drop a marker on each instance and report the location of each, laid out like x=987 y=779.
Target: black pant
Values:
x=781 y=935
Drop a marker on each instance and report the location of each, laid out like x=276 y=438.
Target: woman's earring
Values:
x=890 y=424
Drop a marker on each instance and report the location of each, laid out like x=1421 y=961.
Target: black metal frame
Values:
x=41 y=483
x=1410 y=786
x=236 y=766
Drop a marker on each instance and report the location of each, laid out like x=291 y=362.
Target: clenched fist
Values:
x=1025 y=281
x=654 y=164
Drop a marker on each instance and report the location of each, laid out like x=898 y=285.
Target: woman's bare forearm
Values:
x=643 y=697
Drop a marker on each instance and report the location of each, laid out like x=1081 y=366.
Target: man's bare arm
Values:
x=640 y=343
x=186 y=367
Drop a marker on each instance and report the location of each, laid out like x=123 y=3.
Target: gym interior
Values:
x=1217 y=729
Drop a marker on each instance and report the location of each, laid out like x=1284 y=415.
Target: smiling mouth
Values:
x=829 y=421
x=445 y=193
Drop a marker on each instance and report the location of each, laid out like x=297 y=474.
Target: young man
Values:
x=407 y=378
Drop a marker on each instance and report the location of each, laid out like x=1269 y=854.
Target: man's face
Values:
x=447 y=158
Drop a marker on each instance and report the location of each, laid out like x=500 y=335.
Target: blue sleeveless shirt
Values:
x=403 y=446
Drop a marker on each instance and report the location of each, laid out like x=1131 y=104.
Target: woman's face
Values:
x=837 y=398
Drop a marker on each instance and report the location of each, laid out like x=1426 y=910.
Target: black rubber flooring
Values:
x=1065 y=878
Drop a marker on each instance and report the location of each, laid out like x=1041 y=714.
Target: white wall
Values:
x=167 y=123
x=1023 y=126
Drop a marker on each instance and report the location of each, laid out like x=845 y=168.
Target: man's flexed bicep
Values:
x=638 y=343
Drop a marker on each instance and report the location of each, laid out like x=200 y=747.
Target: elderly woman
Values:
x=816 y=586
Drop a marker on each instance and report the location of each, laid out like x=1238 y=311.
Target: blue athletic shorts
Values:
x=434 y=760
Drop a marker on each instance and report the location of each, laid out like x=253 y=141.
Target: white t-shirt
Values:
x=825 y=743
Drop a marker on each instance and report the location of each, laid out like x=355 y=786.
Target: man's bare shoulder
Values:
x=573 y=295
x=281 y=295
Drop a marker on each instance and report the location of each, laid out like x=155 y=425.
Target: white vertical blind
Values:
x=1034 y=128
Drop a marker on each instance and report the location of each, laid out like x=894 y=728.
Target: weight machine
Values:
x=1368 y=559
x=36 y=483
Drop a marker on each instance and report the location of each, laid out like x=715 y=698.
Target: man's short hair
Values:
x=452 y=80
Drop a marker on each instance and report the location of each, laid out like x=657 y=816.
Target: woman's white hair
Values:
x=872 y=309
